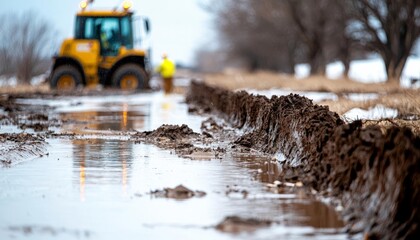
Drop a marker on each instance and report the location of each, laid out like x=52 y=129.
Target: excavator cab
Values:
x=111 y=32
x=101 y=52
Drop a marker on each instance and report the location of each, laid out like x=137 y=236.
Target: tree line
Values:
x=27 y=43
x=278 y=34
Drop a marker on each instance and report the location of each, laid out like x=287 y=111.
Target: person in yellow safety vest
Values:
x=167 y=71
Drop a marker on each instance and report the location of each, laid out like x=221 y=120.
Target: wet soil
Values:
x=170 y=132
x=372 y=173
x=17 y=147
x=26 y=116
x=180 y=192
x=182 y=140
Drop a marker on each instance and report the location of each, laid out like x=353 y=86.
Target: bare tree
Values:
x=315 y=21
x=286 y=38
x=340 y=45
x=388 y=27
x=26 y=43
x=258 y=36
x=212 y=60
x=275 y=35
x=5 y=63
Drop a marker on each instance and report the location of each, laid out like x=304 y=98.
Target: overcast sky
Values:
x=179 y=27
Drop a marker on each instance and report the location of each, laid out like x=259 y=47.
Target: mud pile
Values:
x=172 y=132
x=376 y=175
x=180 y=192
x=181 y=139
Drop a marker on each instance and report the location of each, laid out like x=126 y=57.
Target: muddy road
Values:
x=144 y=166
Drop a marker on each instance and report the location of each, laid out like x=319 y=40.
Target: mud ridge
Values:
x=375 y=174
x=18 y=147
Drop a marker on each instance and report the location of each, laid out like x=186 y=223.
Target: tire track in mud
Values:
x=375 y=174
x=18 y=147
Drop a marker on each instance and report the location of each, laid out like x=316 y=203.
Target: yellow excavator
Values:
x=101 y=52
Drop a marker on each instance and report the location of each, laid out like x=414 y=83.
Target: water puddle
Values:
x=99 y=188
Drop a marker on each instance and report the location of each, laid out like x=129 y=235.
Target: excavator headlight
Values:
x=127 y=5
x=83 y=5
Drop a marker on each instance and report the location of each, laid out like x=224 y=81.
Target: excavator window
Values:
x=112 y=32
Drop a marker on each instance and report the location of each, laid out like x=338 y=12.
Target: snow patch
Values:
x=368 y=71
x=359 y=97
x=11 y=81
x=8 y=81
x=280 y=157
x=374 y=113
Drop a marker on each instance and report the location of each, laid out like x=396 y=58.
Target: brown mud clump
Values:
x=179 y=192
x=375 y=174
x=181 y=139
x=168 y=132
x=167 y=136
x=38 y=117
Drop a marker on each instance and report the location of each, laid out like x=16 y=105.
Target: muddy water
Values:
x=98 y=187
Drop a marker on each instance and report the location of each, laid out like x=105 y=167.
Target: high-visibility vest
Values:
x=166 y=68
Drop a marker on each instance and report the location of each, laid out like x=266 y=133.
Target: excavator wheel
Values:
x=129 y=77
x=65 y=78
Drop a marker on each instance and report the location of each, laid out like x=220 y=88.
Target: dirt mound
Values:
x=374 y=174
x=172 y=132
x=180 y=139
x=38 y=117
x=180 y=192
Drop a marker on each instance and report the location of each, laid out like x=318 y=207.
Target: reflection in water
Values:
x=117 y=117
x=315 y=213
x=101 y=162
x=267 y=170
x=82 y=181
x=123 y=158
x=166 y=109
x=125 y=115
